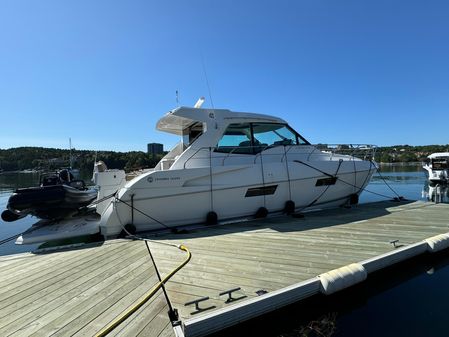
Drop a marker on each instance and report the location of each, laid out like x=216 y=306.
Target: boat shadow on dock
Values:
x=284 y=223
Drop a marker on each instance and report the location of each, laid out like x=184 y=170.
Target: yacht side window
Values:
x=266 y=135
x=192 y=133
x=236 y=139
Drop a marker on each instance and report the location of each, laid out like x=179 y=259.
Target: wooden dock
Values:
x=274 y=261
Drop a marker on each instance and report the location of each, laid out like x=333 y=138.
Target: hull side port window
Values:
x=258 y=191
x=326 y=181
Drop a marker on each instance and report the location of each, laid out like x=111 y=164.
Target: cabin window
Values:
x=440 y=164
x=236 y=139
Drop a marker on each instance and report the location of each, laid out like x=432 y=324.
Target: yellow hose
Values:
x=150 y=294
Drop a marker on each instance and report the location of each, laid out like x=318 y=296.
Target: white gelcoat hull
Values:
x=181 y=197
x=260 y=162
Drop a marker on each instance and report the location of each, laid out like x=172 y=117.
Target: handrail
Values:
x=222 y=163
x=260 y=153
x=361 y=151
x=201 y=148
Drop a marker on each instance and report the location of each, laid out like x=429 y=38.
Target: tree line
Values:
x=407 y=153
x=41 y=158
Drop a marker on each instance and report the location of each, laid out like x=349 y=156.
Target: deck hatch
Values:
x=326 y=181
x=257 y=191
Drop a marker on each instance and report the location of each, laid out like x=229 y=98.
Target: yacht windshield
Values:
x=236 y=139
x=275 y=134
x=440 y=164
x=251 y=138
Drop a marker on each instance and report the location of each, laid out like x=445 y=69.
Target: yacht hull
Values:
x=185 y=196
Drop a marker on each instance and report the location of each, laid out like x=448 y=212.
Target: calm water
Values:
x=406 y=300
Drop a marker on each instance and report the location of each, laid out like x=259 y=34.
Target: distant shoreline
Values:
x=36 y=159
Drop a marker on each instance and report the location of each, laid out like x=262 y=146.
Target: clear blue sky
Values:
x=103 y=72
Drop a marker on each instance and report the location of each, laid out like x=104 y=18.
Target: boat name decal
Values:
x=151 y=179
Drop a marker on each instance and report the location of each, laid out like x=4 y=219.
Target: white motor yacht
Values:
x=228 y=165
x=437 y=167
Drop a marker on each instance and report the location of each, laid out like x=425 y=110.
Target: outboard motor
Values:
x=108 y=181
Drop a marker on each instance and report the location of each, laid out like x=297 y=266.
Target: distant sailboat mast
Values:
x=71 y=158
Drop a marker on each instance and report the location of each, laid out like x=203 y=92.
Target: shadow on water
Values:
x=408 y=299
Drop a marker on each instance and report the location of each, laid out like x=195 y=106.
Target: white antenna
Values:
x=207 y=81
x=199 y=103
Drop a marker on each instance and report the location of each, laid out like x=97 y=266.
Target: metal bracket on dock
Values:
x=197 y=306
x=229 y=293
x=394 y=243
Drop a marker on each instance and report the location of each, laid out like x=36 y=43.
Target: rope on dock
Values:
x=161 y=284
x=148 y=296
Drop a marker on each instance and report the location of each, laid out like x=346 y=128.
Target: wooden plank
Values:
x=27 y=290
x=153 y=314
x=48 y=308
x=108 y=309
x=167 y=332
x=24 y=274
x=32 y=306
x=92 y=302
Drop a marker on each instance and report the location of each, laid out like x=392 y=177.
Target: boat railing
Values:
x=361 y=151
x=353 y=151
x=195 y=153
x=170 y=157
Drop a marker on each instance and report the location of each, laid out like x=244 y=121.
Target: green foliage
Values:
x=22 y=158
x=407 y=153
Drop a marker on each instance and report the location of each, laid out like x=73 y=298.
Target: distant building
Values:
x=155 y=148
